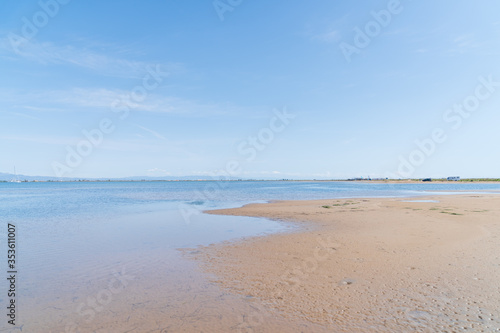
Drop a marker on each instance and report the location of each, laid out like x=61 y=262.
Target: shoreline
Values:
x=376 y=181
x=370 y=264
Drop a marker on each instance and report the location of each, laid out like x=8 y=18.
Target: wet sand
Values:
x=162 y=294
x=368 y=265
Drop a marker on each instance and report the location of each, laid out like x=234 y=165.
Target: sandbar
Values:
x=370 y=265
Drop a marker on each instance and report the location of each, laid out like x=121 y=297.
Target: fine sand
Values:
x=368 y=265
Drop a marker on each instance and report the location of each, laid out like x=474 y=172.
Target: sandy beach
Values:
x=369 y=265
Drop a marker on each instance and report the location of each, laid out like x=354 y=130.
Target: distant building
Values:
x=455 y=179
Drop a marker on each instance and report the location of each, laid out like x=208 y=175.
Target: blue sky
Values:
x=67 y=66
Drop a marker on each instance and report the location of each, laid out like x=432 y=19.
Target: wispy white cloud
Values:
x=22 y=115
x=40 y=139
x=348 y=141
x=332 y=36
x=63 y=100
x=329 y=31
x=472 y=44
x=104 y=64
x=154 y=133
x=421 y=51
x=38 y=108
x=124 y=145
x=92 y=99
x=87 y=98
x=465 y=41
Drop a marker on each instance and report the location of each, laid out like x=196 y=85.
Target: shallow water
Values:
x=104 y=256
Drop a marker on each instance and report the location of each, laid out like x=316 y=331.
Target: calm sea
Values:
x=75 y=241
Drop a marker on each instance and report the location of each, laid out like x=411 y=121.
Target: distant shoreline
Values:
x=379 y=181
